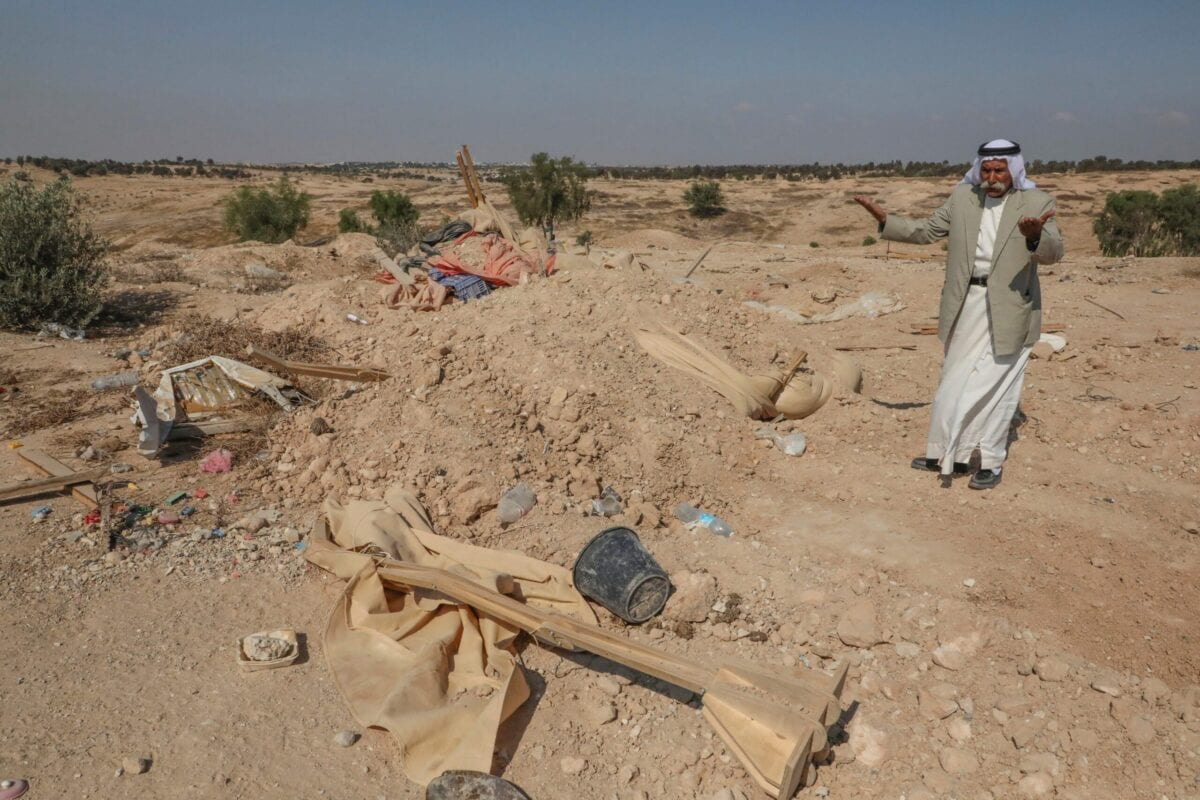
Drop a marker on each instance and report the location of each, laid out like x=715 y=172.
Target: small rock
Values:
x=572 y=765
x=1038 y=784
x=345 y=738
x=1039 y=762
x=695 y=593
x=1052 y=670
x=871 y=745
x=959 y=730
x=319 y=427
x=937 y=701
x=1155 y=691
x=1108 y=686
x=600 y=714
x=957 y=761
x=1021 y=732
x=135 y=765
x=969 y=583
x=907 y=650
x=858 y=627
x=607 y=685
x=1192 y=527
x=626 y=774
x=949 y=657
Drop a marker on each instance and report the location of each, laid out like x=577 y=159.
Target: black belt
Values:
x=979 y=281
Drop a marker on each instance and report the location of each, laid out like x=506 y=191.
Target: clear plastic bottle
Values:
x=115 y=381
x=693 y=518
x=608 y=504
x=515 y=503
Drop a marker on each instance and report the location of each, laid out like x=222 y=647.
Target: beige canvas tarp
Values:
x=437 y=675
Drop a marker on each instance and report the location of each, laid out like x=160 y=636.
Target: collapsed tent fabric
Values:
x=439 y=676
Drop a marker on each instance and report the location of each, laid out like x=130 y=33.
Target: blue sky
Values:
x=615 y=83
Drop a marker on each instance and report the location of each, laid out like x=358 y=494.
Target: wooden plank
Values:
x=198 y=430
x=22 y=491
x=47 y=465
x=360 y=374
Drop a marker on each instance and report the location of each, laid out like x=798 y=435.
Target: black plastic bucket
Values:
x=618 y=573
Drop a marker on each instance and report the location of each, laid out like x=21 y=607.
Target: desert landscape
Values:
x=1035 y=640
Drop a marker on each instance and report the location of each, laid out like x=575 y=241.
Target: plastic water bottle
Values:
x=693 y=518
x=115 y=381
x=793 y=444
x=515 y=503
x=608 y=504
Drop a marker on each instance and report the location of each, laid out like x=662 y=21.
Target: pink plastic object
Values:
x=217 y=461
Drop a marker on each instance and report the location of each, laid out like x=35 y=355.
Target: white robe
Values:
x=978 y=392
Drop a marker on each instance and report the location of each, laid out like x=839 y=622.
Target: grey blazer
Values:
x=1014 y=296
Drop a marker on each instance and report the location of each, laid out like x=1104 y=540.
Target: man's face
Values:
x=996 y=179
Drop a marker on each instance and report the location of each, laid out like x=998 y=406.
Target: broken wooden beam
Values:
x=199 y=430
x=359 y=374
x=56 y=483
x=48 y=465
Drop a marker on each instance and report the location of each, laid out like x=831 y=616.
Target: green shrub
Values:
x=393 y=208
x=548 y=191
x=51 y=262
x=267 y=215
x=1179 y=215
x=584 y=239
x=868 y=241
x=1129 y=225
x=704 y=199
x=348 y=222
x=814 y=244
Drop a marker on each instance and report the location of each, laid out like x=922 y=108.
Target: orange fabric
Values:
x=504 y=264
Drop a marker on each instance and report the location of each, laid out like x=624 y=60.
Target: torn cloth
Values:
x=504 y=263
x=465 y=287
x=439 y=676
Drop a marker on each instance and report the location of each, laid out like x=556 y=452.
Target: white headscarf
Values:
x=1016 y=164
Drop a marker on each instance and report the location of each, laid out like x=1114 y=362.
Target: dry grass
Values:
x=208 y=336
x=56 y=409
x=1190 y=272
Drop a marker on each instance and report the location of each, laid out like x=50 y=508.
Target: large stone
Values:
x=695 y=593
x=948 y=656
x=859 y=627
x=1022 y=731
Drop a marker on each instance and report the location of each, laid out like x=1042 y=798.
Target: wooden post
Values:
x=474 y=174
x=462 y=168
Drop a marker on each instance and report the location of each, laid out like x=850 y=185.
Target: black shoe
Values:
x=933 y=465
x=985 y=479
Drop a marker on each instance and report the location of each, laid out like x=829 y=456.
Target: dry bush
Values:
x=266 y=284
x=57 y=408
x=1190 y=272
x=165 y=272
x=208 y=336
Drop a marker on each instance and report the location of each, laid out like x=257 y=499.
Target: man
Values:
x=1000 y=228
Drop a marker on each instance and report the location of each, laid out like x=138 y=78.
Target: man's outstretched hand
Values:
x=873 y=208
x=1031 y=227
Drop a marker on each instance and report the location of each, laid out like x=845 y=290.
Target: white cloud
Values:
x=1064 y=116
x=1175 y=119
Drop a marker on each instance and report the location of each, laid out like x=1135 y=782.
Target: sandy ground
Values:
x=1036 y=640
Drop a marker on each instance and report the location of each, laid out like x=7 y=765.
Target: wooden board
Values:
x=334 y=372
x=28 y=489
x=48 y=465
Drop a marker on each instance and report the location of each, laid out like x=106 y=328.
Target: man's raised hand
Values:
x=1031 y=227
x=872 y=208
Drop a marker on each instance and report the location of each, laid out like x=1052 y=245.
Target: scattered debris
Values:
x=316 y=370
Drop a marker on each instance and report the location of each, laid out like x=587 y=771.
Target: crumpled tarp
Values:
x=439 y=676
